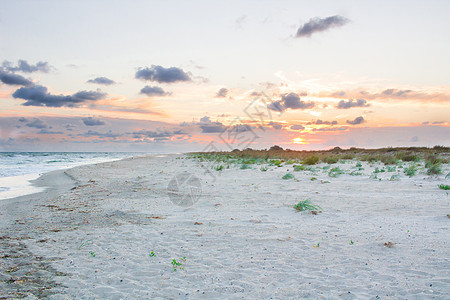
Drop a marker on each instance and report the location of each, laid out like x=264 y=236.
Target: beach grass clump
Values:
x=444 y=187
x=410 y=171
x=219 y=168
x=289 y=162
x=335 y=172
x=433 y=164
x=348 y=156
x=264 y=168
x=434 y=169
x=330 y=159
x=408 y=156
x=355 y=173
x=288 y=176
x=394 y=177
x=369 y=158
x=298 y=168
x=245 y=167
x=306 y=205
x=311 y=160
x=391 y=168
x=388 y=160
x=276 y=162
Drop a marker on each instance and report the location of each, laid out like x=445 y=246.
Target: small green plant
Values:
x=410 y=171
x=394 y=177
x=354 y=173
x=335 y=172
x=391 y=168
x=245 y=167
x=298 y=168
x=264 y=168
x=152 y=254
x=177 y=265
x=306 y=205
x=276 y=162
x=351 y=242
x=84 y=243
x=444 y=187
x=313 y=178
x=288 y=176
x=311 y=160
x=219 y=168
x=92 y=253
x=358 y=164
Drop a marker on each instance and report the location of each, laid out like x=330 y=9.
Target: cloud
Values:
x=222 y=93
x=157 y=134
x=24 y=66
x=101 y=80
x=208 y=126
x=356 y=121
x=14 y=79
x=37 y=123
x=240 y=21
x=438 y=95
x=89 y=121
x=292 y=101
x=350 y=103
x=108 y=134
x=45 y=131
x=321 y=122
x=317 y=25
x=330 y=129
x=38 y=96
x=153 y=91
x=162 y=75
x=396 y=93
x=23 y=120
x=297 y=127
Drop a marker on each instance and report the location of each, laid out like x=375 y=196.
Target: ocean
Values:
x=17 y=169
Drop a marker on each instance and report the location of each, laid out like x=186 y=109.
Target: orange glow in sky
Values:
x=298 y=141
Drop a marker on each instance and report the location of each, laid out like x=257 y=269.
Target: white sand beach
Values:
x=110 y=231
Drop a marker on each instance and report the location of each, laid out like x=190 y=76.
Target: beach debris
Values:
x=156 y=217
x=284 y=240
x=255 y=221
x=198 y=223
x=316 y=246
x=389 y=244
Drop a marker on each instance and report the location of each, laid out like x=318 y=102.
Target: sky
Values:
x=178 y=76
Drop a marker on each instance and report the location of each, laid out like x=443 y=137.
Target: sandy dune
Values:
x=242 y=239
